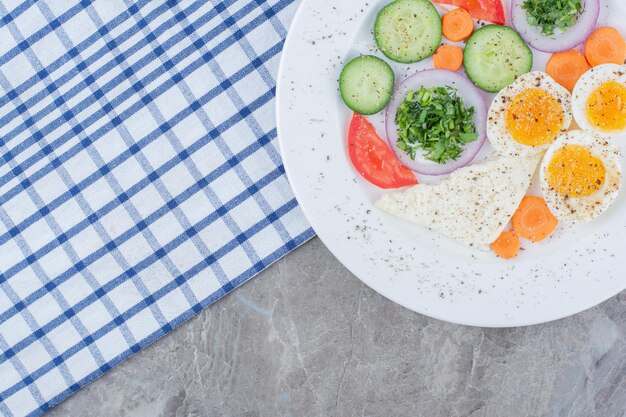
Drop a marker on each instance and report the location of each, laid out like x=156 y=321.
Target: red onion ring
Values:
x=560 y=41
x=471 y=97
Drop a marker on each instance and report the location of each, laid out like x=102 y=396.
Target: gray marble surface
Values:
x=307 y=338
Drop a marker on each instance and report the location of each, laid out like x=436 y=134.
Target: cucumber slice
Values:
x=408 y=30
x=366 y=84
x=495 y=56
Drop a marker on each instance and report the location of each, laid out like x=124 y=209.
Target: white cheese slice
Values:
x=473 y=205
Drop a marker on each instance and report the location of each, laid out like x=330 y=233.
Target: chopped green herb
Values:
x=436 y=121
x=552 y=14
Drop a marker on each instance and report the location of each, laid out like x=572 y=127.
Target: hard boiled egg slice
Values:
x=599 y=100
x=528 y=115
x=580 y=176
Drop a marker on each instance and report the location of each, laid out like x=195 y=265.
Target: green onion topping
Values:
x=552 y=14
x=436 y=121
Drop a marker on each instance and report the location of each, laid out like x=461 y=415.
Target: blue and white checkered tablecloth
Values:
x=140 y=179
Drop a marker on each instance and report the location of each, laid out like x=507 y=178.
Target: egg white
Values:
x=497 y=132
x=473 y=205
x=586 y=85
x=583 y=209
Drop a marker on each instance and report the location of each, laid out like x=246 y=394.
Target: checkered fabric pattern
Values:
x=140 y=179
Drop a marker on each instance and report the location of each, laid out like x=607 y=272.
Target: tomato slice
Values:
x=488 y=10
x=373 y=158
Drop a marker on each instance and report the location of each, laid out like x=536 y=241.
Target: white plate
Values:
x=577 y=268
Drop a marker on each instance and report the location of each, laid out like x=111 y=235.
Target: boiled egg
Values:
x=580 y=176
x=528 y=115
x=599 y=100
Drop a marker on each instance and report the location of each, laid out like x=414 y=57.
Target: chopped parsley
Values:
x=552 y=14
x=436 y=121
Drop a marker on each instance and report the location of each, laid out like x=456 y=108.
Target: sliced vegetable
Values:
x=495 y=56
x=436 y=121
x=366 y=84
x=471 y=98
x=408 y=30
x=605 y=46
x=487 y=10
x=448 y=57
x=567 y=67
x=507 y=245
x=562 y=38
x=549 y=15
x=533 y=220
x=372 y=157
x=457 y=25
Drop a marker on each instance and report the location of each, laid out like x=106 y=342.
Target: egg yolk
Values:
x=574 y=172
x=535 y=117
x=606 y=107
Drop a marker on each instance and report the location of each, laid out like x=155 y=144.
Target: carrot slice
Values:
x=448 y=57
x=457 y=25
x=605 y=46
x=533 y=219
x=507 y=245
x=567 y=67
